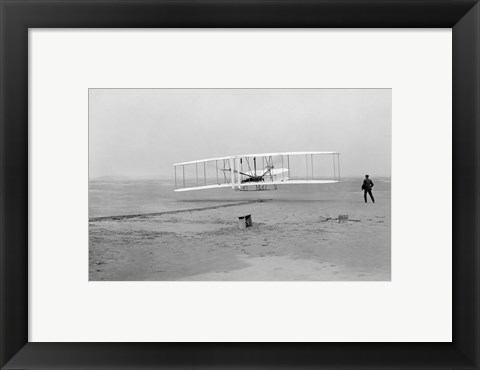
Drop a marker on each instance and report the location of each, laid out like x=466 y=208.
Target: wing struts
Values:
x=258 y=171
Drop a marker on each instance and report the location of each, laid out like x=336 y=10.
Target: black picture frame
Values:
x=17 y=16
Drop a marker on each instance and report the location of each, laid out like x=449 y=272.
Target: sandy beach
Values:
x=295 y=236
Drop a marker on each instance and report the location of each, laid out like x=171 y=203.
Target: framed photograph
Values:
x=239 y=184
x=272 y=216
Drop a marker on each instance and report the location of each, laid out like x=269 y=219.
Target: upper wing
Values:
x=203 y=161
x=284 y=153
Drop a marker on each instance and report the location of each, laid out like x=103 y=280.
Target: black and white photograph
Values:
x=240 y=184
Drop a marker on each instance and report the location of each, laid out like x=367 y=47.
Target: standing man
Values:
x=367 y=188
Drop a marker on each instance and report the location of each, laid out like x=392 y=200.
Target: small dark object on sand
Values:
x=342 y=218
x=245 y=221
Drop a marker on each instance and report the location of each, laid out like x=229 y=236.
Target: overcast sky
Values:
x=142 y=132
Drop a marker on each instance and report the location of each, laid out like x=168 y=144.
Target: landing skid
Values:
x=257 y=188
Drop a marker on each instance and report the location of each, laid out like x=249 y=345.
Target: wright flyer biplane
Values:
x=258 y=171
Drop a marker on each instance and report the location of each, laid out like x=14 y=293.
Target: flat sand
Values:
x=289 y=240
